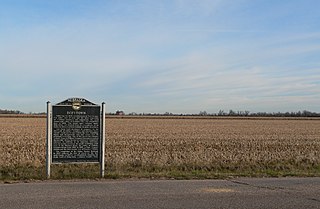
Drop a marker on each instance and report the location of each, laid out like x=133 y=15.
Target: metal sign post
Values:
x=103 y=139
x=48 y=141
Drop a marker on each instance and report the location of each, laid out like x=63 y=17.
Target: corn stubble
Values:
x=208 y=145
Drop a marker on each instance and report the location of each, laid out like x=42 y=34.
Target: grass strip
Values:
x=91 y=171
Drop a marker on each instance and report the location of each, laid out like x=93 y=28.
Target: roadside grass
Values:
x=91 y=171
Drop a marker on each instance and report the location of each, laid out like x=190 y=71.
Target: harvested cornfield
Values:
x=228 y=145
x=214 y=144
x=22 y=141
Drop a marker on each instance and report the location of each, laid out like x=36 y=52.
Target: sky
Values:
x=179 y=56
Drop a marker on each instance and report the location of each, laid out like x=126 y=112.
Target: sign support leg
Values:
x=103 y=135
x=48 y=141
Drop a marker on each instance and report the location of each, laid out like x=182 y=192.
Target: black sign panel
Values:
x=76 y=132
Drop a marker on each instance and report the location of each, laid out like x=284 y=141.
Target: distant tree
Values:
x=221 y=113
x=232 y=113
x=167 y=113
x=203 y=113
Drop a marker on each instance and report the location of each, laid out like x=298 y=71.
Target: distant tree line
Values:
x=247 y=113
x=10 y=112
x=244 y=113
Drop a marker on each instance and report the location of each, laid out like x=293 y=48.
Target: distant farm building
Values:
x=120 y=112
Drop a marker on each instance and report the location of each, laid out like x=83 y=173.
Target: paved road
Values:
x=194 y=194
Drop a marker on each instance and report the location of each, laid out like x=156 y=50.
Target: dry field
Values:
x=155 y=144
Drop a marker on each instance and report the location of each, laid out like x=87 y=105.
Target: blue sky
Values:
x=180 y=56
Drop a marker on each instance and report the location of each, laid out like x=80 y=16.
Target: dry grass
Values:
x=186 y=145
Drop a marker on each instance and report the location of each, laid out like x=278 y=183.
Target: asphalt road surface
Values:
x=147 y=194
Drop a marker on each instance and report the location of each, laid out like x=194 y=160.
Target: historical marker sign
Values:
x=75 y=132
